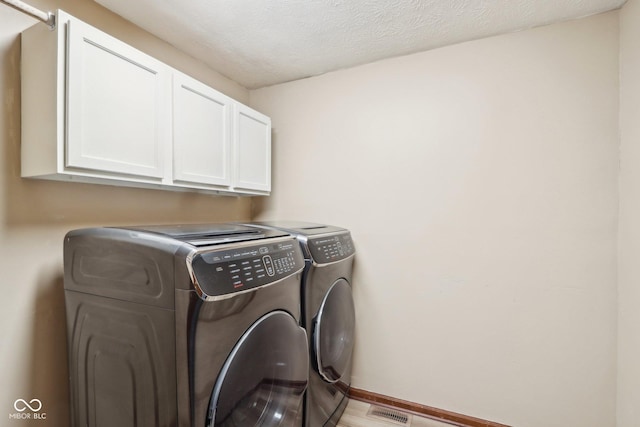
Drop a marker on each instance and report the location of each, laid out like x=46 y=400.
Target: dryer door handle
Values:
x=334 y=331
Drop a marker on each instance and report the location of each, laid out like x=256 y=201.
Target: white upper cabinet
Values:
x=201 y=133
x=252 y=142
x=116 y=105
x=95 y=109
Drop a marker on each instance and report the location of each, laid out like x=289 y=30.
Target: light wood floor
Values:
x=355 y=415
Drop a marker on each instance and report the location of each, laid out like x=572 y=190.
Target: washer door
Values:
x=263 y=380
x=333 y=333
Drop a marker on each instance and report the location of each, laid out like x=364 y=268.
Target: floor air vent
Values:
x=391 y=415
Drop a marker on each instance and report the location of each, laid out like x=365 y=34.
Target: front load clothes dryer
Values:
x=328 y=316
x=189 y=326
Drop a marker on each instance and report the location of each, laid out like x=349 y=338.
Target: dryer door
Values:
x=263 y=380
x=334 y=330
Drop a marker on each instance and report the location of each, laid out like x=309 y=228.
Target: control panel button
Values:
x=268 y=265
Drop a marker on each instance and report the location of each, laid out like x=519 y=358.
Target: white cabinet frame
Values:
x=201 y=133
x=103 y=76
x=252 y=149
x=97 y=110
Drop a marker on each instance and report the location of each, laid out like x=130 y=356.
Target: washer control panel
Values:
x=327 y=249
x=222 y=272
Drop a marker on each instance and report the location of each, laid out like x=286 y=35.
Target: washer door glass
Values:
x=263 y=380
x=334 y=332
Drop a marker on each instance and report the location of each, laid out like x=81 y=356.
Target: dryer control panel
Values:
x=327 y=249
x=227 y=271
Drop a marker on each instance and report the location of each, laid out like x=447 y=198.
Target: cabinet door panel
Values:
x=116 y=106
x=201 y=133
x=252 y=149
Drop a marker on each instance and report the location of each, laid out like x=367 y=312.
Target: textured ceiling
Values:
x=264 y=42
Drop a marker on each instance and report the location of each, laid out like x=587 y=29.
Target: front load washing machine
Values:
x=189 y=326
x=328 y=315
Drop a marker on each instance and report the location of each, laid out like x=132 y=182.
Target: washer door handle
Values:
x=334 y=331
x=264 y=378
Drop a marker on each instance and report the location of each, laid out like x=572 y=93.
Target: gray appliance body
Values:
x=328 y=315
x=189 y=326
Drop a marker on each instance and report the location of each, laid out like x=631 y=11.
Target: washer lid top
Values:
x=303 y=228
x=210 y=234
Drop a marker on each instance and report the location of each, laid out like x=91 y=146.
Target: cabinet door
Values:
x=252 y=149
x=117 y=105
x=201 y=133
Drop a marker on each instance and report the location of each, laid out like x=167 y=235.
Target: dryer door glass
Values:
x=263 y=380
x=333 y=332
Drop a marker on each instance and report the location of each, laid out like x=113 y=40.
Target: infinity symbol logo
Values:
x=37 y=405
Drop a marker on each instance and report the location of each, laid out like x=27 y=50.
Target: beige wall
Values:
x=480 y=183
x=629 y=232
x=35 y=215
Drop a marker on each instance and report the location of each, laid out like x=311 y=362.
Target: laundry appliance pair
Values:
x=199 y=326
